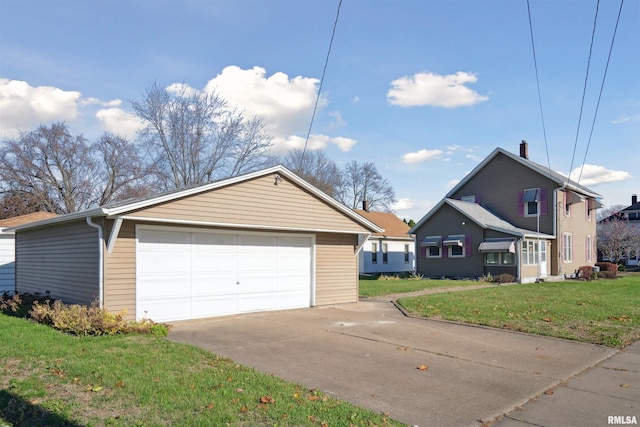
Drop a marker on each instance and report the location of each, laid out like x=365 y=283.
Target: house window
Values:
x=567 y=247
x=470 y=199
x=589 y=249
x=433 y=246
x=499 y=258
x=567 y=207
x=455 y=245
x=385 y=254
x=531 y=201
x=406 y=254
x=587 y=214
x=529 y=252
x=374 y=253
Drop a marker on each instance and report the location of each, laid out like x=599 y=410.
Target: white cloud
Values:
x=84 y=102
x=344 y=144
x=23 y=107
x=403 y=203
x=628 y=119
x=452 y=184
x=286 y=104
x=421 y=156
x=593 y=175
x=448 y=91
x=316 y=142
x=119 y=122
x=337 y=121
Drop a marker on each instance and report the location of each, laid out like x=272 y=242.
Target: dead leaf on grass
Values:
x=546 y=319
x=94 y=388
x=120 y=383
x=403 y=348
x=624 y=385
x=549 y=392
x=267 y=399
x=422 y=367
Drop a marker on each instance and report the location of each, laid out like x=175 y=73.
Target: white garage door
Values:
x=193 y=274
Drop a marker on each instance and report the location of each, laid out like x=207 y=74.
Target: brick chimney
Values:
x=524 y=149
x=365 y=206
x=634 y=199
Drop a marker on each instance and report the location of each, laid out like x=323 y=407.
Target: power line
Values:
x=535 y=64
x=584 y=89
x=604 y=76
x=324 y=70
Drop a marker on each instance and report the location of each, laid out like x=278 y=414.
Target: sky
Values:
x=424 y=89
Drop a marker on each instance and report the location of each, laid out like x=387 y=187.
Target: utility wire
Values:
x=324 y=70
x=595 y=114
x=535 y=64
x=584 y=89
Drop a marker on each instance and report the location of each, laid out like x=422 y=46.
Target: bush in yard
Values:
x=607 y=266
x=607 y=275
x=505 y=278
x=585 y=272
x=19 y=305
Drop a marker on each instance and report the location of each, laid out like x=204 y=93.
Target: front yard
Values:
x=605 y=312
x=373 y=286
x=48 y=378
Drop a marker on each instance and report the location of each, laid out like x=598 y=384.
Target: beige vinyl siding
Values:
x=497 y=186
x=255 y=202
x=579 y=227
x=336 y=269
x=62 y=259
x=120 y=272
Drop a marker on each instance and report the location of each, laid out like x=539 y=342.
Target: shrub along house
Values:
x=267 y=240
x=509 y=215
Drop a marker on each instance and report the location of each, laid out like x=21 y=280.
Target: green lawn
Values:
x=603 y=312
x=51 y=379
x=372 y=287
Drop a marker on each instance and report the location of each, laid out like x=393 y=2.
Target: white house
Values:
x=389 y=252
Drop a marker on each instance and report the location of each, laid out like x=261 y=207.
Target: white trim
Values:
x=234 y=225
x=113 y=236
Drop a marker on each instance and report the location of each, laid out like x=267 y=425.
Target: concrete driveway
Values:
x=368 y=353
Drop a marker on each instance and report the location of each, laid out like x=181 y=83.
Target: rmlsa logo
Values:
x=621 y=419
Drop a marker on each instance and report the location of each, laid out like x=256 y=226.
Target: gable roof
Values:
x=556 y=177
x=482 y=217
x=393 y=226
x=112 y=210
x=26 y=219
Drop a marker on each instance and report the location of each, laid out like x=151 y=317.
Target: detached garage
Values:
x=262 y=241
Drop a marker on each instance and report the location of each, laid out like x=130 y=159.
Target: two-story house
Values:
x=509 y=215
x=391 y=251
x=630 y=214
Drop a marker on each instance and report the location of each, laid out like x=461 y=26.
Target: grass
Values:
x=605 y=312
x=372 y=287
x=51 y=379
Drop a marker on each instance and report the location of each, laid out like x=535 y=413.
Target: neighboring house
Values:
x=266 y=240
x=509 y=215
x=631 y=214
x=391 y=251
x=7 y=247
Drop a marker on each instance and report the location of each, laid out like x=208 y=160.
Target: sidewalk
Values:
x=605 y=394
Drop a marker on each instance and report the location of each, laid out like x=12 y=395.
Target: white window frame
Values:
x=501 y=258
x=462 y=238
x=385 y=253
x=439 y=247
x=530 y=252
x=406 y=253
x=536 y=199
x=374 y=252
x=567 y=247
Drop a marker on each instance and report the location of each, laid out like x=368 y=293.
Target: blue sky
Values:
x=424 y=89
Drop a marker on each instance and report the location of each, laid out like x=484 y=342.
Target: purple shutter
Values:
x=543 y=201
x=444 y=250
x=468 y=248
x=521 y=203
x=423 y=251
x=478 y=201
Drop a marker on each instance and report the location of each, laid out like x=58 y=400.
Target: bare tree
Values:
x=362 y=182
x=195 y=138
x=618 y=238
x=49 y=169
x=315 y=168
x=18 y=204
x=608 y=211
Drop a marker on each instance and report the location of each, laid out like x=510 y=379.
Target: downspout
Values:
x=100 y=262
x=519 y=260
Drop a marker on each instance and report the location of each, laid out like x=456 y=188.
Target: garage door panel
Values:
x=212 y=274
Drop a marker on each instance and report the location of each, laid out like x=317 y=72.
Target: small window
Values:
x=434 y=252
x=499 y=258
x=385 y=254
x=374 y=253
x=470 y=199
x=529 y=252
x=567 y=247
x=455 y=245
x=588 y=211
x=531 y=201
x=567 y=205
x=589 y=249
x=406 y=254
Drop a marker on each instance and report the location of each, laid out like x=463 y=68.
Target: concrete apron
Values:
x=368 y=353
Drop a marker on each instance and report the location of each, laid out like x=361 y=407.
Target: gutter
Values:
x=100 y=262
